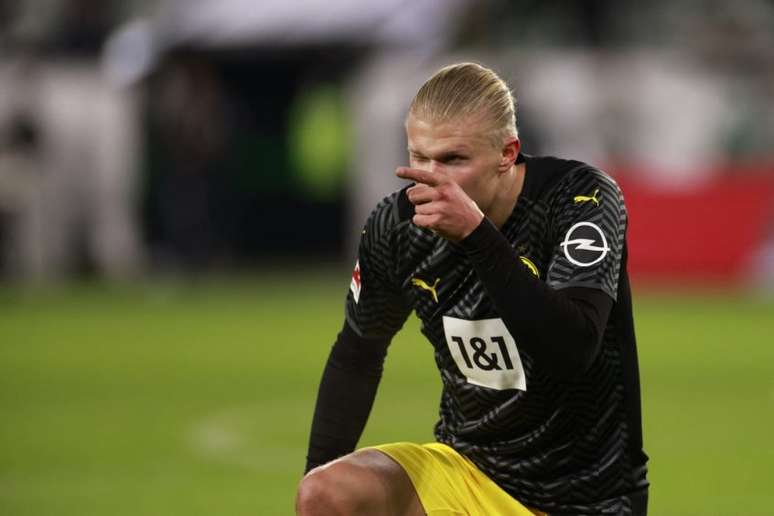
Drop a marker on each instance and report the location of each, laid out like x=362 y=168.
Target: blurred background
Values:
x=182 y=183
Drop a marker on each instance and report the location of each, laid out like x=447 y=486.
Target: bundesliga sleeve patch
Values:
x=354 y=285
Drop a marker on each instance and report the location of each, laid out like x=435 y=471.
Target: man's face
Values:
x=460 y=149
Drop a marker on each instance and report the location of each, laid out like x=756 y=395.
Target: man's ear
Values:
x=509 y=153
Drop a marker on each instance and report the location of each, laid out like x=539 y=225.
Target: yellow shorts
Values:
x=449 y=484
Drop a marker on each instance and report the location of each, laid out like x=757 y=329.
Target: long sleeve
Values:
x=345 y=396
x=561 y=329
x=374 y=312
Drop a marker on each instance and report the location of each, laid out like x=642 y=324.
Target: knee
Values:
x=311 y=492
x=327 y=490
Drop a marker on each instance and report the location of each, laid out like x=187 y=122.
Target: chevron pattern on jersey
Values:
x=608 y=213
x=562 y=447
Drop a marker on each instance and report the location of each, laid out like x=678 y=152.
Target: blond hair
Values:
x=468 y=91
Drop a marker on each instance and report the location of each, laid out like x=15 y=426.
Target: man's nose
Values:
x=430 y=166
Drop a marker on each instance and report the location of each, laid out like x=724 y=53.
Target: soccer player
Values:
x=516 y=266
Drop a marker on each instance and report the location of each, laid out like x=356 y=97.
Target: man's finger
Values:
x=426 y=208
x=420 y=194
x=420 y=176
x=425 y=221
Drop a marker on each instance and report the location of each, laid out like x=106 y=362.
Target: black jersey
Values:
x=565 y=446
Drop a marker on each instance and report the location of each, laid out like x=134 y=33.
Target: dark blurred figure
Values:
x=188 y=113
x=222 y=188
x=83 y=28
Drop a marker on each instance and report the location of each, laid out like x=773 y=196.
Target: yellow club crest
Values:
x=530 y=265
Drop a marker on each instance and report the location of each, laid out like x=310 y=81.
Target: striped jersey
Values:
x=562 y=446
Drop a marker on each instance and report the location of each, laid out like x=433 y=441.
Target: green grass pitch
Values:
x=174 y=399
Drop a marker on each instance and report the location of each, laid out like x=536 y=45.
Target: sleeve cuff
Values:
x=482 y=238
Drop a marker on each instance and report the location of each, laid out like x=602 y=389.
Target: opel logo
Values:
x=585 y=244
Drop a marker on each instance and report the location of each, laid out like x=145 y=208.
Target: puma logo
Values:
x=586 y=198
x=424 y=286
